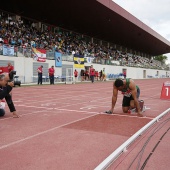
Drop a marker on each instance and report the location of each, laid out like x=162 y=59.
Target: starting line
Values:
x=88 y=107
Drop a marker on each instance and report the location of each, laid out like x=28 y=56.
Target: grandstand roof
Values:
x=102 y=19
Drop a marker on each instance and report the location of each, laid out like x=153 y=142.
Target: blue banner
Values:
x=58 y=59
x=8 y=50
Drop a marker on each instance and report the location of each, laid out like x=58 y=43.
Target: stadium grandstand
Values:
x=85 y=125
x=99 y=30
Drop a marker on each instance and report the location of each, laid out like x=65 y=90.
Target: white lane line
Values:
x=79 y=111
x=51 y=101
x=67 y=105
x=84 y=111
x=41 y=133
x=121 y=115
x=72 y=110
x=68 y=98
x=32 y=112
x=58 y=109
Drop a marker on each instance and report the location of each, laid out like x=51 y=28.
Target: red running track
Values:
x=63 y=127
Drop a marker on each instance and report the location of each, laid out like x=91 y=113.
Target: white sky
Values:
x=154 y=13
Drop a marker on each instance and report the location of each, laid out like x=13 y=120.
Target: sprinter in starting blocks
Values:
x=131 y=93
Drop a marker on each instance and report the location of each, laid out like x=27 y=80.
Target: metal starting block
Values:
x=134 y=110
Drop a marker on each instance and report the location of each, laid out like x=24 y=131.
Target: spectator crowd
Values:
x=24 y=33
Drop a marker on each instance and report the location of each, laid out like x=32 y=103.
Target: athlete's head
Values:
x=119 y=84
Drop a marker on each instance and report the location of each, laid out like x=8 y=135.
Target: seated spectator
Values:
x=1 y=40
x=24 y=33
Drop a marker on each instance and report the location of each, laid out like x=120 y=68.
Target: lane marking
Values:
x=32 y=112
x=84 y=111
x=41 y=133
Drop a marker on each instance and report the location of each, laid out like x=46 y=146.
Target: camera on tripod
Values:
x=11 y=75
x=13 y=78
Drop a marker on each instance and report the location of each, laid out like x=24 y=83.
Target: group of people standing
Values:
x=51 y=72
x=91 y=74
x=88 y=74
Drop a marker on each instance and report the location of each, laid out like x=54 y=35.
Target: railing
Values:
x=50 y=55
x=112 y=157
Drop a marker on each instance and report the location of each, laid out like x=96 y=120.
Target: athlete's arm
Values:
x=114 y=98
x=132 y=86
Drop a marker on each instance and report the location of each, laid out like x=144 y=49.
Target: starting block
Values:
x=142 y=107
x=165 y=93
x=133 y=111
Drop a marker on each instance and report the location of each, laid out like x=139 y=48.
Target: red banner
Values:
x=39 y=54
x=4 y=70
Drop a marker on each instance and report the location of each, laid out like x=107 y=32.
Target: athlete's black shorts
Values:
x=126 y=100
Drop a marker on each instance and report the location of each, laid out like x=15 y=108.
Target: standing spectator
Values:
x=124 y=74
x=87 y=74
x=10 y=67
x=40 y=72
x=101 y=75
x=92 y=73
x=97 y=75
x=82 y=75
x=75 y=75
x=51 y=72
x=104 y=74
x=6 y=40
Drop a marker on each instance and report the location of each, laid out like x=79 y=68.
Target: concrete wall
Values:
x=24 y=68
x=132 y=72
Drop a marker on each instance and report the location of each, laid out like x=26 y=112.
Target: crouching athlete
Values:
x=131 y=93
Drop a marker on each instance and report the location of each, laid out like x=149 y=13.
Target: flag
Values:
x=89 y=59
x=39 y=54
x=8 y=50
x=78 y=61
x=58 y=59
